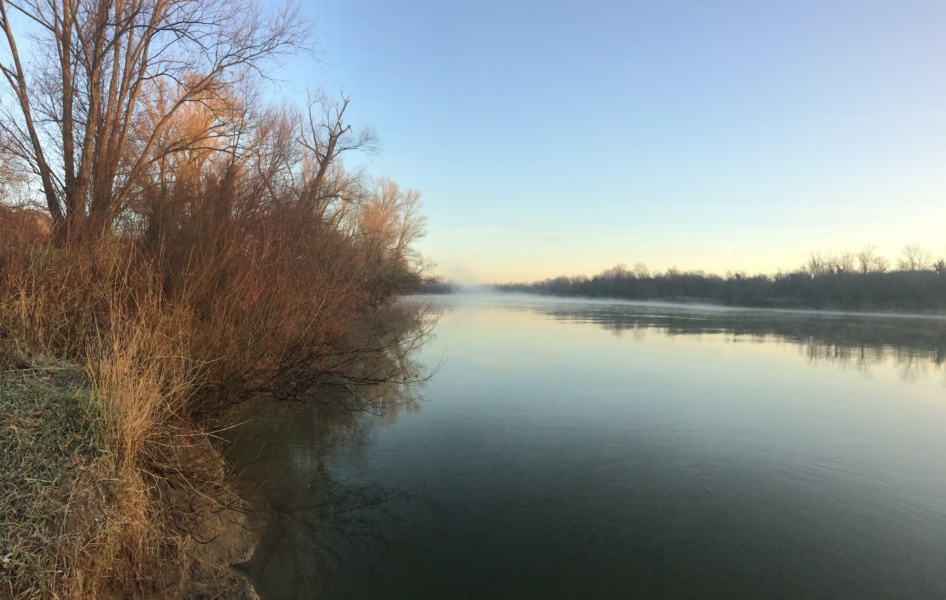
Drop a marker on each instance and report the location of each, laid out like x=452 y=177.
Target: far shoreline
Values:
x=688 y=303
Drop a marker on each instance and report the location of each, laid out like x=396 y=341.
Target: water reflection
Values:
x=916 y=345
x=306 y=510
x=282 y=453
x=694 y=453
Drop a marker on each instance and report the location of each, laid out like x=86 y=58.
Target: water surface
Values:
x=572 y=449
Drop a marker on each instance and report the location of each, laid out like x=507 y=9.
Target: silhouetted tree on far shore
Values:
x=847 y=281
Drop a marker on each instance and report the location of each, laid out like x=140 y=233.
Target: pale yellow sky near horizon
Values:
x=518 y=253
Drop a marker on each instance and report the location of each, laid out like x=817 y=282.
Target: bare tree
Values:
x=618 y=271
x=274 y=156
x=914 y=257
x=845 y=262
x=74 y=108
x=641 y=271
x=198 y=142
x=820 y=264
x=326 y=135
x=866 y=257
x=390 y=221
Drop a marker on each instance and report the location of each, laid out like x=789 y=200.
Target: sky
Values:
x=551 y=138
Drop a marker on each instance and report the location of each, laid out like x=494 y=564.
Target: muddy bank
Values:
x=67 y=514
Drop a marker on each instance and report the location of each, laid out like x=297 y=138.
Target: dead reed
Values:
x=159 y=327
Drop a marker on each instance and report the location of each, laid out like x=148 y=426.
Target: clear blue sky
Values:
x=563 y=137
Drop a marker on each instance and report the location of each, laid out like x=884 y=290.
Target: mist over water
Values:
x=566 y=449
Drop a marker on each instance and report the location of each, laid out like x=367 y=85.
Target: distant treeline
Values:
x=824 y=282
x=438 y=285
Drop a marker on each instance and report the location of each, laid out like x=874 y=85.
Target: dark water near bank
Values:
x=603 y=450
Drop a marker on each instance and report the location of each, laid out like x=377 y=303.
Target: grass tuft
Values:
x=50 y=448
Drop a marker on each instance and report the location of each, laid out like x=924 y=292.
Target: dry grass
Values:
x=51 y=450
x=121 y=445
x=165 y=336
x=106 y=490
x=140 y=392
x=216 y=291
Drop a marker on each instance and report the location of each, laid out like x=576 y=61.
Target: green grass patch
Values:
x=49 y=446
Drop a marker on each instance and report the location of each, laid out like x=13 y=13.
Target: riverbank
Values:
x=906 y=291
x=76 y=523
x=213 y=249
x=117 y=369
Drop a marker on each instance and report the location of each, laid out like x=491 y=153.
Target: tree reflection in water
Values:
x=915 y=344
x=282 y=452
x=325 y=530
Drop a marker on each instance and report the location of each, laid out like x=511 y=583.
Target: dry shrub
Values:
x=214 y=298
x=272 y=292
x=21 y=225
x=103 y=309
x=60 y=300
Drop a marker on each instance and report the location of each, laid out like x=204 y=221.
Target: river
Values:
x=587 y=449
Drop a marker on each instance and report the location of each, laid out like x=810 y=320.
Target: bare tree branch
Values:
x=95 y=64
